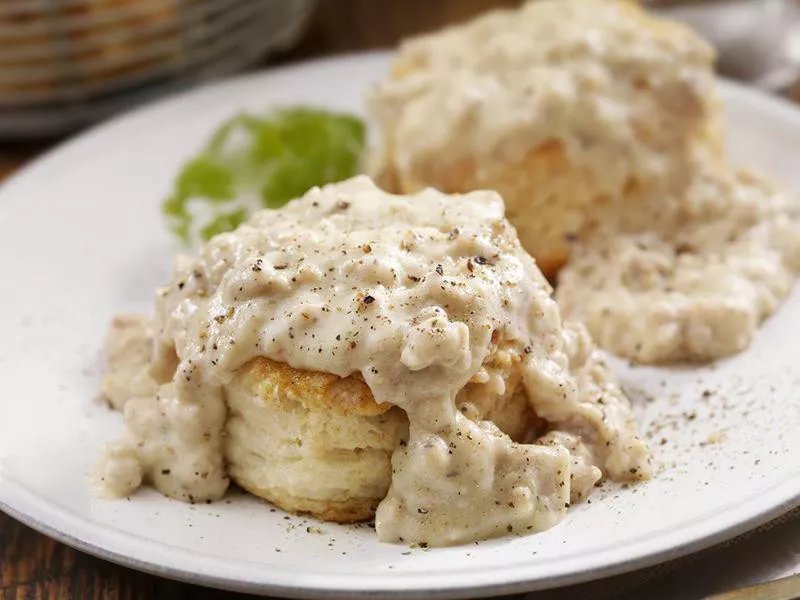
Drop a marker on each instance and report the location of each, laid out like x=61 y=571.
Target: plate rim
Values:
x=93 y=538
x=705 y=536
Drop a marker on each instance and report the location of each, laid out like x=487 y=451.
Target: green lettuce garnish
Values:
x=253 y=162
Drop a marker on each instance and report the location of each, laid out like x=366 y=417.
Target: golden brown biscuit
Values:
x=569 y=109
x=316 y=443
x=428 y=303
x=310 y=441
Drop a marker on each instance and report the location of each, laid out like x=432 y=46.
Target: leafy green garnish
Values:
x=253 y=162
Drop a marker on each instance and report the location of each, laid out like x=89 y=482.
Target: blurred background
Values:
x=67 y=63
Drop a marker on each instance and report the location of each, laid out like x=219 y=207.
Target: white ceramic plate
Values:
x=81 y=238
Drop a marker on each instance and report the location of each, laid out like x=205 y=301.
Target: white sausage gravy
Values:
x=411 y=292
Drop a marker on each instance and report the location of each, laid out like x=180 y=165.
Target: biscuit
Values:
x=312 y=442
x=568 y=109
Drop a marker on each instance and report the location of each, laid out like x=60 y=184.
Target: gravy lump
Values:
x=622 y=91
x=689 y=275
x=413 y=293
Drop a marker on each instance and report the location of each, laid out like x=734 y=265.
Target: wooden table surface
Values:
x=34 y=566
